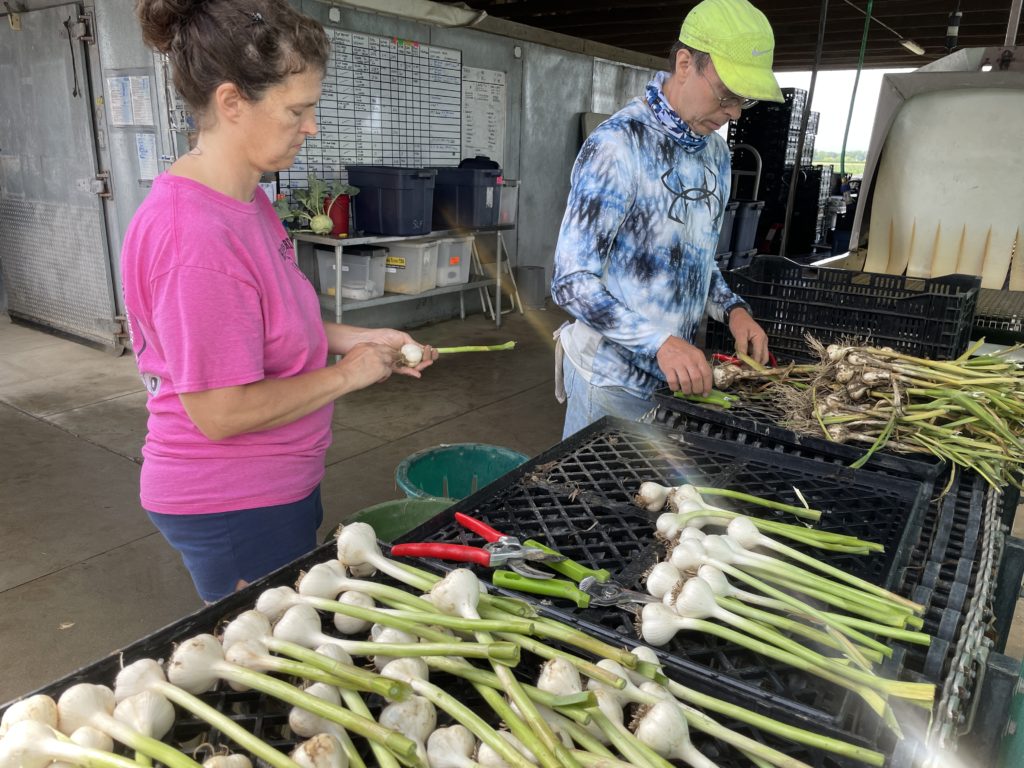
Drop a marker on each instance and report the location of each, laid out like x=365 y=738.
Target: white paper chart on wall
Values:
x=385 y=101
x=483 y=113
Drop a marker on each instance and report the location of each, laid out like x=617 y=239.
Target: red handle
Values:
x=719 y=357
x=478 y=526
x=456 y=552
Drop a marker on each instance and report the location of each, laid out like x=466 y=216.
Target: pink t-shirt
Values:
x=215 y=299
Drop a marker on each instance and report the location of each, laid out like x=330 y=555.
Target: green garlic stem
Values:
x=210 y=715
x=515 y=724
x=804 y=512
x=702 y=722
x=631 y=748
x=477 y=348
x=354 y=701
x=404 y=748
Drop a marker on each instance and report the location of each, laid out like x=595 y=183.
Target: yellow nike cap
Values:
x=741 y=43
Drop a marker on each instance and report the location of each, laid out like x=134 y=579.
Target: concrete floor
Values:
x=84 y=571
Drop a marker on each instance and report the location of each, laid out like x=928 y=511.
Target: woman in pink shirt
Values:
x=225 y=326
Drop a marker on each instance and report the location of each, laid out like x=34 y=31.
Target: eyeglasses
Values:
x=729 y=102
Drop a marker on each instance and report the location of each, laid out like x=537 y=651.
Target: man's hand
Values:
x=685 y=368
x=750 y=337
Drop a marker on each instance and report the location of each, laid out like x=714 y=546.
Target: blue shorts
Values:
x=221 y=548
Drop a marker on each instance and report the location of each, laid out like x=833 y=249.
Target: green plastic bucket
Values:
x=392 y=519
x=455 y=471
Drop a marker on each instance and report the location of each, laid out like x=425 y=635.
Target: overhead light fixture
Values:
x=913 y=47
x=910 y=45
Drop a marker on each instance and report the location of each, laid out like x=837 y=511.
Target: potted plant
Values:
x=322 y=207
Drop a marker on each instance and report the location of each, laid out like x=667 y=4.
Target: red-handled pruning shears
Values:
x=501 y=550
x=720 y=357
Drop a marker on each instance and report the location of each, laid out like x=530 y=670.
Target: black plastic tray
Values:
x=577 y=498
x=927 y=317
x=942 y=572
x=267 y=717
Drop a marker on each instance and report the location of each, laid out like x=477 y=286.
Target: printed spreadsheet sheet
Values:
x=385 y=101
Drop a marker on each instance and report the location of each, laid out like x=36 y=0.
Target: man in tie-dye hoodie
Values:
x=635 y=261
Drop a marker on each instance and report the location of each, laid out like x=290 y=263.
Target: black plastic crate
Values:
x=760 y=424
x=926 y=317
x=999 y=317
x=577 y=497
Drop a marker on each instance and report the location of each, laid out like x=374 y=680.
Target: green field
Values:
x=855 y=160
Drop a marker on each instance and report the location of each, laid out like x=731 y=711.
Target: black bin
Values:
x=393 y=200
x=745 y=228
x=467 y=198
x=725 y=233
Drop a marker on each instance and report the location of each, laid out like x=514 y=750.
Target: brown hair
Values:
x=254 y=44
x=700 y=58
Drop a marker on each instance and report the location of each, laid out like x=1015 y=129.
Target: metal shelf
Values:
x=328 y=302
x=337 y=305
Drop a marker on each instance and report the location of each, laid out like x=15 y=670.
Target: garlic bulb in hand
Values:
x=412 y=354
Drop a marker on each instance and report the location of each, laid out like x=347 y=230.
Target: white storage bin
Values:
x=508 y=203
x=325 y=267
x=411 y=266
x=454 y=255
x=362 y=274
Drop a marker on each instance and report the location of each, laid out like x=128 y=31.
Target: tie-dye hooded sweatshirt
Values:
x=635 y=260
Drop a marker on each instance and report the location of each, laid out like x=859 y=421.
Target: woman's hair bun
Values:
x=161 y=20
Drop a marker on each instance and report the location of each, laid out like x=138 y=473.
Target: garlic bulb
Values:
x=457 y=594
x=321 y=751
x=488 y=758
x=306 y=724
x=559 y=677
x=412 y=354
x=248 y=625
x=662 y=579
x=322 y=580
x=348 y=625
x=193 y=664
x=272 y=603
x=658 y=624
x=451 y=747
x=651 y=497
x=147 y=712
x=415 y=718
x=406 y=669
x=39 y=708
x=137 y=677
x=663 y=728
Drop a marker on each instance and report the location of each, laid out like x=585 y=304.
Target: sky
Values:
x=832 y=92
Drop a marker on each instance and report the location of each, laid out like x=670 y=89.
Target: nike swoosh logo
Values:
x=756 y=52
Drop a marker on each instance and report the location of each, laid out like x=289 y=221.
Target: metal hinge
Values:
x=84 y=29
x=101 y=185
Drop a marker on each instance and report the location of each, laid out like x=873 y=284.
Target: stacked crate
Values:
x=774 y=131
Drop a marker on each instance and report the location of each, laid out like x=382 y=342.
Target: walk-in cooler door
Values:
x=53 y=247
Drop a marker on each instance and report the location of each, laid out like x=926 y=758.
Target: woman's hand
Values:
x=341 y=339
x=396 y=340
x=367 y=363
